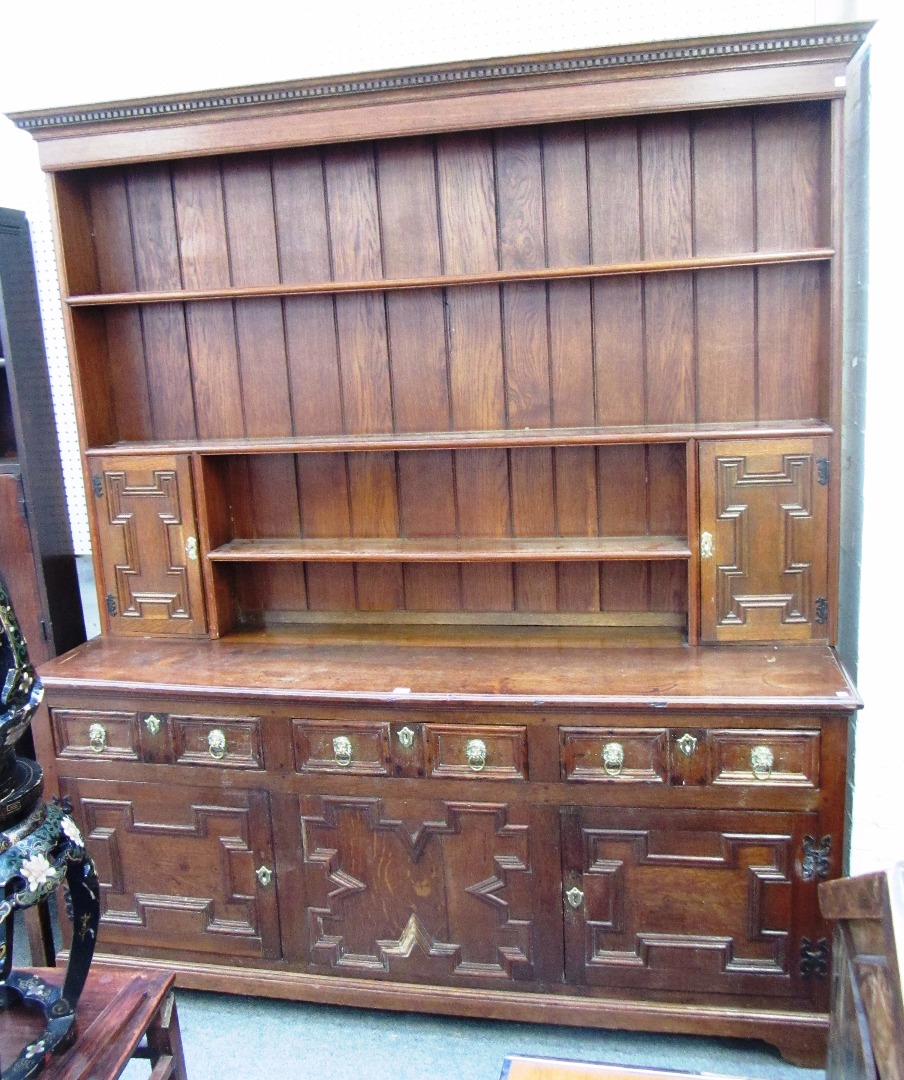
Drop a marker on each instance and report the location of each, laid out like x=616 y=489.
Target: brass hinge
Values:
x=98 y=485
x=815 y=860
x=112 y=606
x=822 y=470
x=822 y=610
x=814 y=958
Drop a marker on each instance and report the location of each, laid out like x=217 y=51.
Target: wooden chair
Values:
x=866 y=1037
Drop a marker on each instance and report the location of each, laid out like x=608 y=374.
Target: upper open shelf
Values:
x=626 y=434
x=433 y=281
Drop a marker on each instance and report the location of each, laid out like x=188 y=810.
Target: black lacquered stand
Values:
x=41 y=848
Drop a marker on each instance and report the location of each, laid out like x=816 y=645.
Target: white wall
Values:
x=67 y=54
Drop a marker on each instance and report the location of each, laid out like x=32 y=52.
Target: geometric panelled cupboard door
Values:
x=764 y=540
x=148 y=545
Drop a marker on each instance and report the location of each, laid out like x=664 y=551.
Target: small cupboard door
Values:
x=188 y=869
x=148 y=545
x=764 y=540
x=682 y=900
x=420 y=890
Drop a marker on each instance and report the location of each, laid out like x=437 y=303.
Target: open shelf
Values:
x=464 y=440
x=456 y=549
x=441 y=281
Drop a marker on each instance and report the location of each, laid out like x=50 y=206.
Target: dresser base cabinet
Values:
x=573 y=858
x=462 y=449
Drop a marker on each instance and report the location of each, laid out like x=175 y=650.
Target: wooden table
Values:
x=118 y=1009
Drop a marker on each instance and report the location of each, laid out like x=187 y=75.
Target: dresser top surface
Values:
x=465 y=669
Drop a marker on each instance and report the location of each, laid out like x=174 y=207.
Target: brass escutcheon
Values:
x=152 y=724
x=191 y=548
x=687 y=744
x=476 y=753
x=216 y=743
x=97 y=737
x=613 y=758
x=342 y=750
x=264 y=875
x=406 y=737
x=707 y=547
x=575 y=897
x=761 y=761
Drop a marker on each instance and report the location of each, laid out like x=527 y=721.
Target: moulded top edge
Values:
x=614 y=63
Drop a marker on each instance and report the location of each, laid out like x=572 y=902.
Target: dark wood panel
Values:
x=131 y=403
x=614 y=182
x=250 y=220
x=792 y=175
x=201 y=223
x=665 y=170
x=155 y=246
x=723 y=174
x=112 y=231
x=299 y=206
x=619 y=351
x=670 y=349
x=726 y=345
x=791 y=341
x=169 y=374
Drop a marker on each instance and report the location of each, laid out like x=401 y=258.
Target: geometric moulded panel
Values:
x=675 y=900
x=418 y=889
x=763 y=515
x=148 y=546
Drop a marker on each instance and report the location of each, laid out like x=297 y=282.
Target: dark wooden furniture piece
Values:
x=866 y=1035
x=36 y=557
x=124 y=1014
x=463 y=453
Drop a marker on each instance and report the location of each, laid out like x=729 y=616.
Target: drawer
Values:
x=341 y=746
x=615 y=755
x=764 y=757
x=476 y=752
x=89 y=733
x=232 y=742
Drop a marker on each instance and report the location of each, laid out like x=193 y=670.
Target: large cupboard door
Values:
x=148 y=545
x=687 y=900
x=178 y=867
x=764 y=540
x=422 y=890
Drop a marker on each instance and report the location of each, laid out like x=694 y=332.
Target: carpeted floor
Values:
x=257 y=1040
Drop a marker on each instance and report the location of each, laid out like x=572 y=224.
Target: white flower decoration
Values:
x=70 y=828
x=36 y=870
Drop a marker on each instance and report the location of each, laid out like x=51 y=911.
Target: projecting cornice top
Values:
x=607 y=81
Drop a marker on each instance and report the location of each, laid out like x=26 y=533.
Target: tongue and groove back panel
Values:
x=685 y=345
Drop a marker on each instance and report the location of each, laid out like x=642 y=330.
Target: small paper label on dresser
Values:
x=401 y=690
